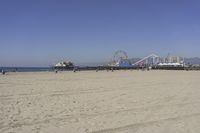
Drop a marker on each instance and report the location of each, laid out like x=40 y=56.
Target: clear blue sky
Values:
x=41 y=32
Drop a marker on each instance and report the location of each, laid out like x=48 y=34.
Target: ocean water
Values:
x=25 y=69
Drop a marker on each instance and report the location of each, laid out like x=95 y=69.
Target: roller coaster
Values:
x=151 y=59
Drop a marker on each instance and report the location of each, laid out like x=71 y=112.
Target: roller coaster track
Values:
x=145 y=58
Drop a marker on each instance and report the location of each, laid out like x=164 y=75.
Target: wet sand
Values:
x=100 y=102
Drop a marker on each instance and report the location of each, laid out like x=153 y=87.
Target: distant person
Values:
x=56 y=71
x=107 y=70
x=74 y=70
x=3 y=72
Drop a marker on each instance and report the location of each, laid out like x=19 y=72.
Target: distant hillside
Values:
x=195 y=60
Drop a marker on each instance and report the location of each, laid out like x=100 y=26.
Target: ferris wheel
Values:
x=120 y=55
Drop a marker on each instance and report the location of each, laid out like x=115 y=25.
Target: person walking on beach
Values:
x=74 y=70
x=3 y=72
x=56 y=71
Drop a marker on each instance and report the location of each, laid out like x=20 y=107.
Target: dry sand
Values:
x=110 y=102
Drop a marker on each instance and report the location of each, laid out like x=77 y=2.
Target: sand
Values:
x=100 y=102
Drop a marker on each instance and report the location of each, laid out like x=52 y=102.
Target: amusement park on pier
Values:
x=121 y=60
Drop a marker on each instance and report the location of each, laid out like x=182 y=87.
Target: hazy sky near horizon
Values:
x=42 y=32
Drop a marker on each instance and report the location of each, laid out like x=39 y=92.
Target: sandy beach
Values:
x=100 y=102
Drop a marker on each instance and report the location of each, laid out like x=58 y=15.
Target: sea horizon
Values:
x=25 y=69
